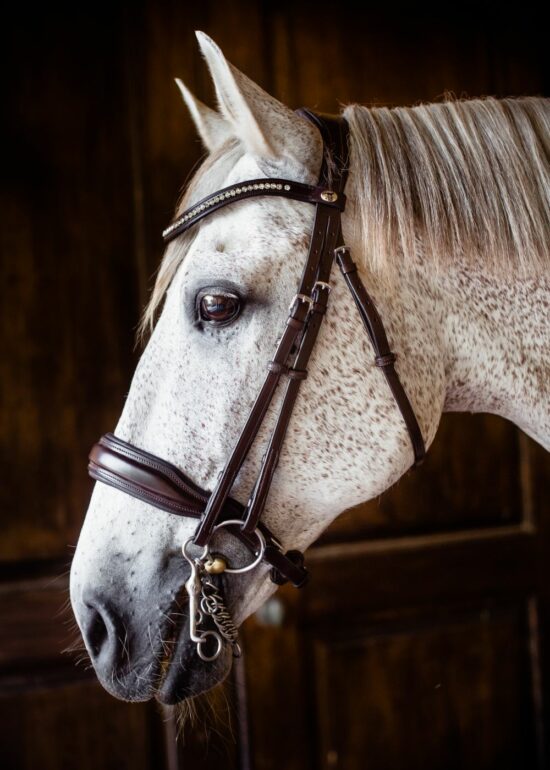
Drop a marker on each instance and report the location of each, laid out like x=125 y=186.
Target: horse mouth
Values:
x=172 y=687
x=173 y=642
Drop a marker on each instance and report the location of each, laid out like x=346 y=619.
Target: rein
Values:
x=164 y=486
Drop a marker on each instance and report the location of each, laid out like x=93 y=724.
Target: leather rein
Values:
x=164 y=486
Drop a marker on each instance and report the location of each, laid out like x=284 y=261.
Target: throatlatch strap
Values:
x=384 y=359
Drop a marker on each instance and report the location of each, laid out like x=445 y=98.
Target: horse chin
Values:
x=186 y=676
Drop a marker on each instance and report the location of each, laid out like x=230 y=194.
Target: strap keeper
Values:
x=387 y=360
x=345 y=262
x=293 y=374
x=297 y=374
x=294 y=323
x=277 y=368
x=297 y=559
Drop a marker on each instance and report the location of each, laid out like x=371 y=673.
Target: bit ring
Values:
x=204 y=640
x=259 y=553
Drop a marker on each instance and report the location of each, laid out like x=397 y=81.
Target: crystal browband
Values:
x=276 y=187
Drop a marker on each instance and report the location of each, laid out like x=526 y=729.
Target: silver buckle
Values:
x=301 y=298
x=340 y=249
x=323 y=285
x=310 y=300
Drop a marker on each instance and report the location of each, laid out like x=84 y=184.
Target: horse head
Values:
x=224 y=289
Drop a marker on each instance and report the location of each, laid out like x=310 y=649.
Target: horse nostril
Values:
x=102 y=633
x=97 y=634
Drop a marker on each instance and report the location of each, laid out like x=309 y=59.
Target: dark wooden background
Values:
x=422 y=641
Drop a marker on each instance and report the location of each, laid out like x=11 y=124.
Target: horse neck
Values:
x=496 y=342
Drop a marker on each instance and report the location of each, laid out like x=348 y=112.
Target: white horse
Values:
x=448 y=218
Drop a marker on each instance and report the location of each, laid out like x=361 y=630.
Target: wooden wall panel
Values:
x=390 y=56
x=36 y=627
x=54 y=732
x=354 y=665
x=443 y=693
x=280 y=712
x=68 y=308
x=161 y=46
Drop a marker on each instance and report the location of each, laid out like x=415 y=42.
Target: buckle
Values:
x=304 y=297
x=323 y=285
x=300 y=298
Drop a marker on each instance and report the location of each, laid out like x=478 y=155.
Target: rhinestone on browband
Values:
x=231 y=192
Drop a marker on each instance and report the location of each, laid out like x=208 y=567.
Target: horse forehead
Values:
x=252 y=235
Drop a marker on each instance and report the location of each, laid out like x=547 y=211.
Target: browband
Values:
x=283 y=188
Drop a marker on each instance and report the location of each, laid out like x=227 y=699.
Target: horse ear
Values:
x=276 y=136
x=212 y=127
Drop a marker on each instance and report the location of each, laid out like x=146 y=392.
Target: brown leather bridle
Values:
x=164 y=486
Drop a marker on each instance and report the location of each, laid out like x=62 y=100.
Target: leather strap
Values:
x=385 y=359
x=295 y=327
x=330 y=238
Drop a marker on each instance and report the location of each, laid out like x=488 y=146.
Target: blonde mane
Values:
x=462 y=179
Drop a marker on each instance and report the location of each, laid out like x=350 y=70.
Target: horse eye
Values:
x=218 y=308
